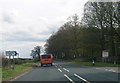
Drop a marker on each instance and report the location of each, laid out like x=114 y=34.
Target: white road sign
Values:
x=105 y=54
x=11 y=53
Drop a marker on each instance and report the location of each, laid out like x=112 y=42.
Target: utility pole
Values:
x=117 y=44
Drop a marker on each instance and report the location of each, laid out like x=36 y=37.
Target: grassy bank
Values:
x=97 y=64
x=8 y=73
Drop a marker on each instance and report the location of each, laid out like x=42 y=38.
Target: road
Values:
x=69 y=73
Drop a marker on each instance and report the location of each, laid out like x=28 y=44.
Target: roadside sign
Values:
x=11 y=53
x=105 y=54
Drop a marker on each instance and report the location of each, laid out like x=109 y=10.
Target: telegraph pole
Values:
x=117 y=46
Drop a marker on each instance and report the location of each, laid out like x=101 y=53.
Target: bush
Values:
x=5 y=61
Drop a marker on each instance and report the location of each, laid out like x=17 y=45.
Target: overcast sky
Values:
x=25 y=24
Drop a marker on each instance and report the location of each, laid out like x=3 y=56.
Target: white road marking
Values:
x=114 y=71
x=69 y=78
x=97 y=68
x=60 y=66
x=81 y=78
x=66 y=70
x=55 y=66
x=60 y=70
x=110 y=70
x=106 y=70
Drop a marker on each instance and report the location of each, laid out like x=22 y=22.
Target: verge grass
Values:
x=8 y=73
x=97 y=64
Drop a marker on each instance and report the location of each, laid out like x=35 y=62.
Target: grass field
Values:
x=8 y=73
x=97 y=64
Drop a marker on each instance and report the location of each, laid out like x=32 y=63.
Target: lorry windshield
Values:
x=45 y=56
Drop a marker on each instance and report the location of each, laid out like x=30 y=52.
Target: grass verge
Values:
x=97 y=64
x=8 y=73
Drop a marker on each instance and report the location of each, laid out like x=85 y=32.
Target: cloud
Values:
x=50 y=29
x=9 y=16
x=24 y=36
x=33 y=21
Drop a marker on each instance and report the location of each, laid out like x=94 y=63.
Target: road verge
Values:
x=96 y=64
x=10 y=74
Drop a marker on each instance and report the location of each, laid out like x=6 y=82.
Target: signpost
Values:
x=11 y=53
x=105 y=55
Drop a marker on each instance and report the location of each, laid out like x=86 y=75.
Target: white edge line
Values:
x=59 y=70
x=81 y=78
x=111 y=70
x=69 y=78
x=66 y=69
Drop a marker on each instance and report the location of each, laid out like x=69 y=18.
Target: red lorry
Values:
x=46 y=59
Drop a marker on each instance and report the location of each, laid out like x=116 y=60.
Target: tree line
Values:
x=35 y=53
x=97 y=31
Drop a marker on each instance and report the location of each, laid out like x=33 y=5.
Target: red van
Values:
x=46 y=59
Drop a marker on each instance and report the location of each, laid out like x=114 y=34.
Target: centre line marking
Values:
x=60 y=70
x=55 y=66
x=69 y=78
x=66 y=70
x=81 y=78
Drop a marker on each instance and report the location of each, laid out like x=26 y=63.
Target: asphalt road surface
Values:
x=69 y=73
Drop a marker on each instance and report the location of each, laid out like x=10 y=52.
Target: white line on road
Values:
x=60 y=70
x=97 y=68
x=81 y=78
x=66 y=70
x=55 y=66
x=110 y=70
x=106 y=70
x=69 y=78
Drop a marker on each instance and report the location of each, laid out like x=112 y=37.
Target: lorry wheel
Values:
x=41 y=65
x=51 y=64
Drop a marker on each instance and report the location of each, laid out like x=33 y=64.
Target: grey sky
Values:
x=27 y=23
